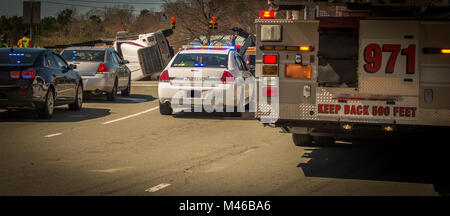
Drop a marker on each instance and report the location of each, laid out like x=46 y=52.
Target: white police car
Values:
x=205 y=78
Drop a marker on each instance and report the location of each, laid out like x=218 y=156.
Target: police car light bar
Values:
x=219 y=47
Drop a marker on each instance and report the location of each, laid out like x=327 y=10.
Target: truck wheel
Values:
x=78 y=99
x=165 y=109
x=45 y=111
x=302 y=139
x=323 y=140
x=112 y=95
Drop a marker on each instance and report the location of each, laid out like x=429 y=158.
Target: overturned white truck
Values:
x=148 y=53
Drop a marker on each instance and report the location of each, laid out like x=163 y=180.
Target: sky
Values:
x=52 y=7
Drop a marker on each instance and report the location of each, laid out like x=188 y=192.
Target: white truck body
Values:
x=148 y=54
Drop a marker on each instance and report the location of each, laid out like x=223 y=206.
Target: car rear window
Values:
x=17 y=57
x=84 y=55
x=201 y=60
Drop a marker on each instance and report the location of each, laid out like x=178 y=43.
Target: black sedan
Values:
x=38 y=78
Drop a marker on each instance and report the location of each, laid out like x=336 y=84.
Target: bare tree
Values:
x=193 y=16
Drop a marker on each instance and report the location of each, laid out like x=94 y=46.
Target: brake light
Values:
x=227 y=77
x=266 y=15
x=102 y=69
x=24 y=74
x=269 y=92
x=270 y=59
x=164 y=77
x=248 y=61
x=445 y=51
x=15 y=74
x=28 y=73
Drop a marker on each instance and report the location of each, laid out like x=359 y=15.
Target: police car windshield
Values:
x=17 y=57
x=201 y=60
x=84 y=55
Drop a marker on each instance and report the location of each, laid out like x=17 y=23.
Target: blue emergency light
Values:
x=220 y=47
x=16 y=54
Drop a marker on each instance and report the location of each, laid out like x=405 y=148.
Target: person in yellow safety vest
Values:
x=3 y=41
x=25 y=41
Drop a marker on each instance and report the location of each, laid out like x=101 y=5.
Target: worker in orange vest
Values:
x=25 y=41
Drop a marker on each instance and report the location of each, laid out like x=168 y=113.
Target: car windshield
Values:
x=84 y=55
x=201 y=60
x=17 y=57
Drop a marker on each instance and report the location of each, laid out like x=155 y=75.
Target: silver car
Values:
x=102 y=70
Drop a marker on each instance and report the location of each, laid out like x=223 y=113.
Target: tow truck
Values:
x=343 y=69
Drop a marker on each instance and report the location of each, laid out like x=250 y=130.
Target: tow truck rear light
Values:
x=102 y=69
x=24 y=74
x=269 y=92
x=227 y=77
x=429 y=50
x=305 y=48
x=270 y=59
x=297 y=71
x=270 y=70
x=287 y=48
x=164 y=77
x=266 y=14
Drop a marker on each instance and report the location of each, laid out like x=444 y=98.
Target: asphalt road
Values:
x=126 y=147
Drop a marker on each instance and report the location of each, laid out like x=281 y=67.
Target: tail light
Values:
x=102 y=69
x=248 y=61
x=269 y=92
x=270 y=59
x=28 y=74
x=227 y=77
x=266 y=15
x=15 y=74
x=164 y=77
x=24 y=74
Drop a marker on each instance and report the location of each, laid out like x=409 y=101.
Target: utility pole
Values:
x=31 y=15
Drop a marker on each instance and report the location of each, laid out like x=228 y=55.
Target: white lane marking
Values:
x=111 y=170
x=157 y=187
x=131 y=116
x=52 y=135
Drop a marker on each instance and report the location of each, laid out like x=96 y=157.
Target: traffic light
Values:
x=214 y=23
x=172 y=23
x=210 y=25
